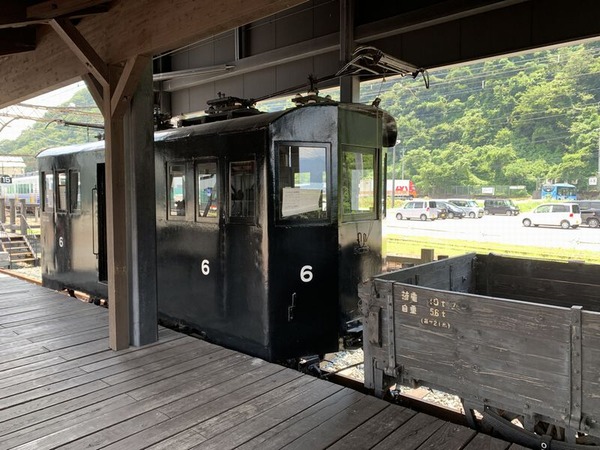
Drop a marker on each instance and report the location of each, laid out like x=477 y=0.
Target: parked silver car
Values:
x=471 y=208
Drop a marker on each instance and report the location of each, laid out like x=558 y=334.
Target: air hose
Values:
x=526 y=438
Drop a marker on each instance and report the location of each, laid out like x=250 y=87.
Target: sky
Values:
x=13 y=129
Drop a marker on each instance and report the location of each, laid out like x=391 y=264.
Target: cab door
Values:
x=63 y=238
x=303 y=252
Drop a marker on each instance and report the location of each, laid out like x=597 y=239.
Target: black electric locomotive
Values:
x=265 y=223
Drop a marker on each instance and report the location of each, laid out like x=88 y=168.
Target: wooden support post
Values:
x=427 y=255
x=2 y=210
x=13 y=213
x=139 y=146
x=112 y=87
x=349 y=85
x=116 y=223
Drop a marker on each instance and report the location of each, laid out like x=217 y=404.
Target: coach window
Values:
x=359 y=184
x=176 y=191
x=302 y=182
x=74 y=192
x=61 y=190
x=48 y=180
x=207 y=199
x=242 y=176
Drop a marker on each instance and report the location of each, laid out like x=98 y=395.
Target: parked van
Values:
x=471 y=208
x=500 y=206
x=420 y=209
x=564 y=215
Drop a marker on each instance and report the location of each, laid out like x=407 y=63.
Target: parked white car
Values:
x=419 y=209
x=564 y=215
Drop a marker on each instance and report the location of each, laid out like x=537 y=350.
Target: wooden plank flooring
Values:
x=62 y=387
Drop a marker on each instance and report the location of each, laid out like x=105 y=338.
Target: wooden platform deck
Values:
x=60 y=386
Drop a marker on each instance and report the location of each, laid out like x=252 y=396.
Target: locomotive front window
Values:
x=359 y=184
x=48 y=181
x=242 y=175
x=61 y=187
x=177 y=190
x=207 y=190
x=302 y=182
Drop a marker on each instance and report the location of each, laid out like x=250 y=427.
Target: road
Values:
x=502 y=229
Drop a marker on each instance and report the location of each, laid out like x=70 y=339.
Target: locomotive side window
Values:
x=207 y=198
x=302 y=182
x=61 y=188
x=359 y=184
x=242 y=176
x=48 y=180
x=74 y=192
x=176 y=200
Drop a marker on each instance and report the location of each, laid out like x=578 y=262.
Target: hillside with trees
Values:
x=46 y=133
x=513 y=121
x=521 y=120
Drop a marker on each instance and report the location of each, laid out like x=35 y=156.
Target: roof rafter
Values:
x=65 y=8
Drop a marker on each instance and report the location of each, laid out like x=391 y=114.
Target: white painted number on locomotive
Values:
x=205 y=267
x=306 y=274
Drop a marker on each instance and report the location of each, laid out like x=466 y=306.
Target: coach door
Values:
x=99 y=222
x=303 y=248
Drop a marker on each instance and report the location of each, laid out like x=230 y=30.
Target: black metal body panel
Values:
x=239 y=281
x=74 y=264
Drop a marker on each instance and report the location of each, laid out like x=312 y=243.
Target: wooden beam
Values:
x=17 y=40
x=13 y=11
x=61 y=8
x=15 y=14
x=128 y=83
x=82 y=49
x=96 y=90
x=129 y=28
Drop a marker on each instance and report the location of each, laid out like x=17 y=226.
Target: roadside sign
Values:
x=593 y=181
x=5 y=179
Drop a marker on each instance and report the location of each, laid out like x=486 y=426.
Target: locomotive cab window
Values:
x=74 y=192
x=61 y=190
x=242 y=177
x=207 y=199
x=303 y=182
x=48 y=194
x=359 y=184
x=176 y=186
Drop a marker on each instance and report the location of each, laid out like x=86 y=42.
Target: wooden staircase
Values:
x=18 y=249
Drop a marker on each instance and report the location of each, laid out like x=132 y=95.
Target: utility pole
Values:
x=598 y=174
x=394 y=174
x=402 y=148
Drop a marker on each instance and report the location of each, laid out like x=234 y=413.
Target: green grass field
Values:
x=411 y=246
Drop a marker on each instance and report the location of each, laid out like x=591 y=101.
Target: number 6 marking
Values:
x=61 y=242
x=205 y=267
x=306 y=274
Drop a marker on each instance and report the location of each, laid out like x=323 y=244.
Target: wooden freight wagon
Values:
x=511 y=337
